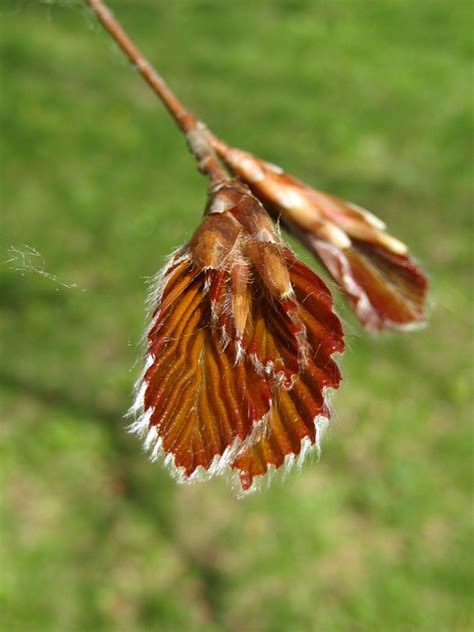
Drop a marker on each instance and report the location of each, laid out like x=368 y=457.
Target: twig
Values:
x=195 y=131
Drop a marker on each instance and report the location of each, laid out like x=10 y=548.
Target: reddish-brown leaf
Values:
x=299 y=413
x=197 y=405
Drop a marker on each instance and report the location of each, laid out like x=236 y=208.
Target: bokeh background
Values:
x=368 y=100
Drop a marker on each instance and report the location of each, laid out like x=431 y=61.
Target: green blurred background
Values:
x=369 y=100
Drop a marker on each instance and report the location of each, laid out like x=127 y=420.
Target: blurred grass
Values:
x=368 y=100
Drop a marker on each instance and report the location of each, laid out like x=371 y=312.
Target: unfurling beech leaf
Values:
x=382 y=284
x=239 y=351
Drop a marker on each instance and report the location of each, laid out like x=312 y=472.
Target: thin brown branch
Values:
x=195 y=131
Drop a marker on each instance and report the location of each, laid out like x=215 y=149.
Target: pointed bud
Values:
x=382 y=284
